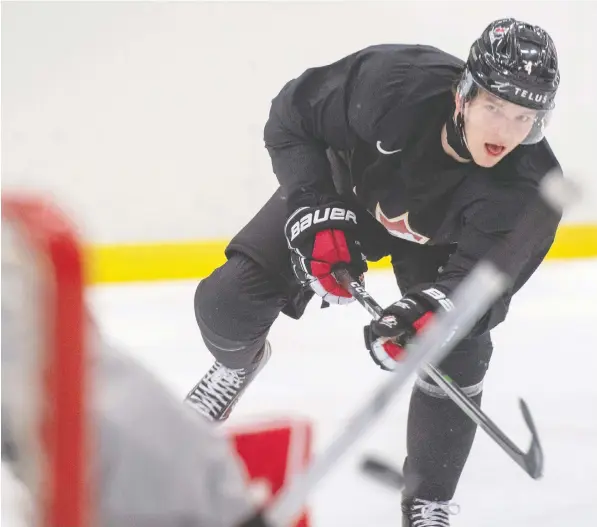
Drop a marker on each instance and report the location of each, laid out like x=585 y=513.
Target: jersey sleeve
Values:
x=333 y=107
x=487 y=225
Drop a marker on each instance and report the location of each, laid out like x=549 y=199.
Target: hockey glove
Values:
x=322 y=241
x=387 y=337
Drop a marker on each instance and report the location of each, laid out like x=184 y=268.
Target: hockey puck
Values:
x=383 y=472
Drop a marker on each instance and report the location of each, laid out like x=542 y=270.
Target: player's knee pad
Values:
x=435 y=391
x=235 y=307
x=467 y=364
x=230 y=352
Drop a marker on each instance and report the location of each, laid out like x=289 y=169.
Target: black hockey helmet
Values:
x=517 y=62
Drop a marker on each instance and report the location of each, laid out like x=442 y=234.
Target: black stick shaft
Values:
x=454 y=392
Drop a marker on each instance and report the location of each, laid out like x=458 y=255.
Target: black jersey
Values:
x=382 y=109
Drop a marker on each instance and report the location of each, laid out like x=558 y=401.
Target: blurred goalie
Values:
x=151 y=461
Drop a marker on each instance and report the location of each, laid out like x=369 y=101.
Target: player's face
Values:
x=495 y=127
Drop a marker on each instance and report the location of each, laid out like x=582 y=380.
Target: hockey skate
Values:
x=220 y=389
x=422 y=513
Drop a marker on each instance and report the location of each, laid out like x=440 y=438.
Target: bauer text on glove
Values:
x=323 y=240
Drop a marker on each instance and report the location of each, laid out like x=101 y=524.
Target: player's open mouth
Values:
x=494 y=150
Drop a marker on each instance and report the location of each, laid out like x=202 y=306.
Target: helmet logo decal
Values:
x=529 y=95
x=498 y=32
x=501 y=87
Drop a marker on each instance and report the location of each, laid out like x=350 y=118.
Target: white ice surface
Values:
x=546 y=352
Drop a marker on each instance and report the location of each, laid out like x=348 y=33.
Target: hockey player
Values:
x=400 y=150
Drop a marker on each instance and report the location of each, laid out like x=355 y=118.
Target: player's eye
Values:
x=524 y=118
x=491 y=107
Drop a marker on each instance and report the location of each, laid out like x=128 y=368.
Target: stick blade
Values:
x=534 y=457
x=383 y=473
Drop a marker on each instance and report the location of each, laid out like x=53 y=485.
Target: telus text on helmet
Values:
x=531 y=96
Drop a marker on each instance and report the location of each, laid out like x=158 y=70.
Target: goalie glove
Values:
x=322 y=241
x=387 y=337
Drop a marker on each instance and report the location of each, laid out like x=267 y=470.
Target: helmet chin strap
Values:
x=455 y=136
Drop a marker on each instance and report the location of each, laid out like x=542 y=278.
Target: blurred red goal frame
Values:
x=272 y=450
x=46 y=237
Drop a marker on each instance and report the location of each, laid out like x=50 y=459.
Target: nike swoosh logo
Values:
x=387 y=152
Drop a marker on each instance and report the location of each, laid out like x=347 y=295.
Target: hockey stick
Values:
x=555 y=194
x=476 y=293
x=484 y=285
x=531 y=461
